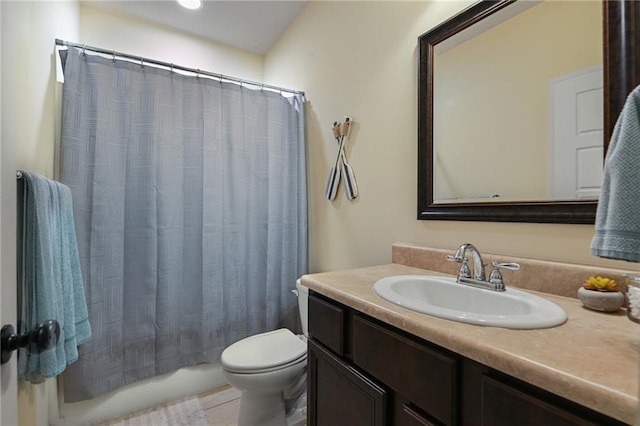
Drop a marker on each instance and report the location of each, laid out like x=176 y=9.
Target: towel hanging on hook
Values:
x=50 y=285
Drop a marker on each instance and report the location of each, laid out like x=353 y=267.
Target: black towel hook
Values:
x=41 y=338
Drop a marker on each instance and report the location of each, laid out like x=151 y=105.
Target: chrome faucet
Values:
x=478 y=264
x=479 y=277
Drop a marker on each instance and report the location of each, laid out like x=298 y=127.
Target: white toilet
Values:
x=270 y=370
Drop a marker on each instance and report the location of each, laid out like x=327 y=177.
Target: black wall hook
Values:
x=41 y=338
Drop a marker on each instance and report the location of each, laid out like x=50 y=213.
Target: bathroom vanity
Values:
x=373 y=363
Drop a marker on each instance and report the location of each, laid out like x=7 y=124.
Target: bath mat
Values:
x=188 y=412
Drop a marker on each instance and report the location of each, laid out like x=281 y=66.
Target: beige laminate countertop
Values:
x=592 y=359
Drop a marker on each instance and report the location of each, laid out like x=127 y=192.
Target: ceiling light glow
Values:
x=190 y=4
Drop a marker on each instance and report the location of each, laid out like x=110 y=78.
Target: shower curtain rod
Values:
x=220 y=77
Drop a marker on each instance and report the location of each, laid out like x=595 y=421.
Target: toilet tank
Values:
x=303 y=303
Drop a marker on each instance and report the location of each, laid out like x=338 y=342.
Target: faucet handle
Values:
x=495 y=278
x=509 y=266
x=464 y=268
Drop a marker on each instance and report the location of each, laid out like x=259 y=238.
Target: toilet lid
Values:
x=264 y=351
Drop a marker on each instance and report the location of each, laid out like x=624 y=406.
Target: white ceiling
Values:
x=252 y=26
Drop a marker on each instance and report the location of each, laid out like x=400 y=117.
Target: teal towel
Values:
x=618 y=216
x=49 y=278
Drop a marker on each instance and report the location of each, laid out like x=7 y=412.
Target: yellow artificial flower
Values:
x=600 y=284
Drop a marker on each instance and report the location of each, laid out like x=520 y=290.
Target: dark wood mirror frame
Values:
x=621 y=63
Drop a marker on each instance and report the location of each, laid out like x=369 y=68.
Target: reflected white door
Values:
x=576 y=135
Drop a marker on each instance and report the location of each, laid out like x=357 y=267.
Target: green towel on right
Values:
x=618 y=215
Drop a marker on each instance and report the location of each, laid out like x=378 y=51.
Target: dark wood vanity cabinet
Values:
x=342 y=394
x=365 y=372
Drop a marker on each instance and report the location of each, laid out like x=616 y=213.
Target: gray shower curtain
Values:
x=190 y=206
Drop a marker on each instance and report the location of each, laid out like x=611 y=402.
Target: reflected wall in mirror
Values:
x=496 y=139
x=495 y=90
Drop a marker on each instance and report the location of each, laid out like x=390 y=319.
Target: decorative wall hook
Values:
x=41 y=338
x=341 y=167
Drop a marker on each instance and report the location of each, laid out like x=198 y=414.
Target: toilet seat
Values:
x=302 y=361
x=264 y=352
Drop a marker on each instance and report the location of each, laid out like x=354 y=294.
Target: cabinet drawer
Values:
x=326 y=323
x=420 y=374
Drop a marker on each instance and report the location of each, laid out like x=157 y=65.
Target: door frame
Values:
x=8 y=308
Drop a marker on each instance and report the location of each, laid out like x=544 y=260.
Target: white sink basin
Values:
x=443 y=297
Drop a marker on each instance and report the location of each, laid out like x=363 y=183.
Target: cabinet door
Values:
x=340 y=395
x=421 y=374
x=503 y=405
x=410 y=417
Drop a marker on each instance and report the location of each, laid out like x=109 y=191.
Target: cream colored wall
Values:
x=360 y=59
x=137 y=37
x=32 y=88
x=498 y=81
x=29 y=30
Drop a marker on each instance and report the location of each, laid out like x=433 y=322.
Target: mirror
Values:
x=479 y=130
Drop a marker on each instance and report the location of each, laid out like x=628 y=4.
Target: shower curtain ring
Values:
x=171 y=68
x=84 y=50
x=114 y=57
x=198 y=73
x=141 y=62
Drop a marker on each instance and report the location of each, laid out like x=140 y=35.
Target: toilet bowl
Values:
x=270 y=371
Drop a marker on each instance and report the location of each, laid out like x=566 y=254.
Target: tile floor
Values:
x=221 y=406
